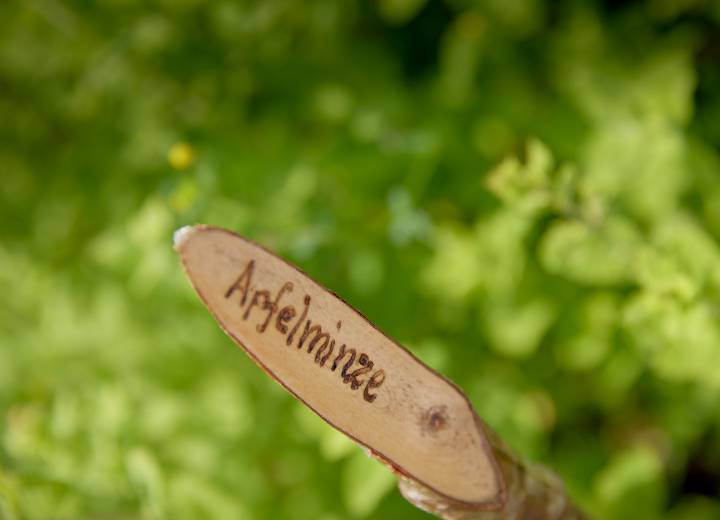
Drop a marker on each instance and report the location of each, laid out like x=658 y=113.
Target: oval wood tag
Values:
x=335 y=361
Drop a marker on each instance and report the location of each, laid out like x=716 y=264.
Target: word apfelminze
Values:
x=302 y=332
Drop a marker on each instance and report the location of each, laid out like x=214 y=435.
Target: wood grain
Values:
x=348 y=372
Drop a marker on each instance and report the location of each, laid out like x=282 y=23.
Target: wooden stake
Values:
x=361 y=382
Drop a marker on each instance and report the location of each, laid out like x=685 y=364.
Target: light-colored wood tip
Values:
x=181 y=234
x=348 y=372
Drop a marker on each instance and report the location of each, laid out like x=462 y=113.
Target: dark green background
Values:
x=525 y=193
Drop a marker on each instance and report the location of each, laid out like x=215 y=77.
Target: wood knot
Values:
x=434 y=419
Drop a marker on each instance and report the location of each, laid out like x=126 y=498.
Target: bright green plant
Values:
x=526 y=194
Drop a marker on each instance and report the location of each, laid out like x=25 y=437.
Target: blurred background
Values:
x=525 y=193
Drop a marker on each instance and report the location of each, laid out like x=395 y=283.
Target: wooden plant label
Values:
x=335 y=361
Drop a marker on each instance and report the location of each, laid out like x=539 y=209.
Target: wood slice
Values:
x=335 y=361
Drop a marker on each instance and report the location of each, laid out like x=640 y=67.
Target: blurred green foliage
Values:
x=525 y=193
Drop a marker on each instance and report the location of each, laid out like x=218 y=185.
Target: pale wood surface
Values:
x=364 y=384
x=418 y=421
x=532 y=493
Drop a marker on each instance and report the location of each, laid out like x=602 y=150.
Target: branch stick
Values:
x=364 y=384
x=533 y=493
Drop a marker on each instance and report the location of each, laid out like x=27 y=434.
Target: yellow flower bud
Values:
x=181 y=156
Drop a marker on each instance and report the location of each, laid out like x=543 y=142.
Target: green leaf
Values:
x=602 y=255
x=516 y=328
x=364 y=483
x=631 y=484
